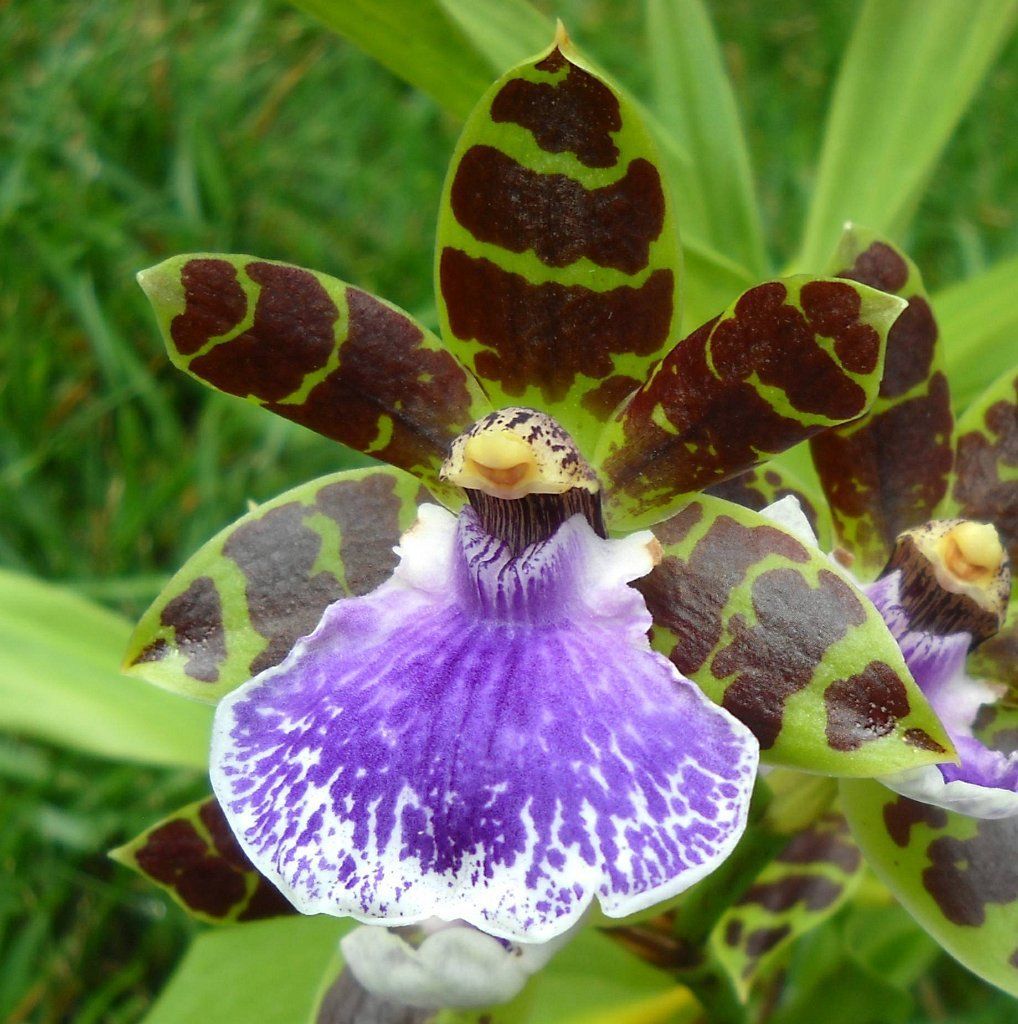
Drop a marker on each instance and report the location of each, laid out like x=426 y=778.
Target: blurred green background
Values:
x=133 y=131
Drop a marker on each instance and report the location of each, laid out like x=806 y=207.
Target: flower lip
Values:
x=515 y=452
x=955 y=578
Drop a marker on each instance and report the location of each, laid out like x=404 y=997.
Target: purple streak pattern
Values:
x=985 y=783
x=487 y=738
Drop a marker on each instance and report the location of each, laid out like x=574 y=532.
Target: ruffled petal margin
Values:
x=487 y=738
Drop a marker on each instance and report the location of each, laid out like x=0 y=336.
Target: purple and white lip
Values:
x=486 y=737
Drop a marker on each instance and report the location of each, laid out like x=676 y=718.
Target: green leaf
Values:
x=269 y=972
x=890 y=470
x=415 y=39
x=787 y=359
x=505 y=32
x=957 y=876
x=979 y=322
x=557 y=260
x=911 y=69
x=59 y=680
x=319 y=352
x=194 y=856
x=805 y=885
x=693 y=99
x=240 y=602
x=776 y=633
x=986 y=469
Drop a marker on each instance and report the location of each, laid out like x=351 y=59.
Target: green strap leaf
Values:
x=60 y=681
x=763 y=485
x=805 y=885
x=979 y=322
x=986 y=472
x=693 y=99
x=504 y=31
x=269 y=972
x=911 y=69
x=787 y=359
x=557 y=260
x=237 y=605
x=890 y=470
x=776 y=633
x=319 y=352
x=193 y=855
x=957 y=876
x=415 y=39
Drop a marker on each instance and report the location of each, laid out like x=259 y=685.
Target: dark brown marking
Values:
x=266 y=901
x=865 y=706
x=385 y=371
x=293 y=334
x=733 y=932
x=155 y=651
x=545 y=334
x=675 y=529
x=176 y=855
x=911 y=345
x=824 y=845
x=756 y=489
x=982 y=489
x=603 y=400
x=966 y=875
x=196 y=618
x=763 y=940
x=502 y=202
x=922 y=740
x=879 y=266
x=214 y=303
x=814 y=892
x=777 y=342
x=689 y=597
x=832 y=310
x=901 y=814
x=893 y=470
x=276 y=553
x=367 y=511
x=223 y=839
x=575 y=115
x=777 y=655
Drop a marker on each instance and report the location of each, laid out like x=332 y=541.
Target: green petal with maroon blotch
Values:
x=763 y=485
x=781 y=637
x=957 y=876
x=805 y=885
x=558 y=260
x=319 y=352
x=240 y=602
x=787 y=359
x=986 y=467
x=194 y=856
x=890 y=470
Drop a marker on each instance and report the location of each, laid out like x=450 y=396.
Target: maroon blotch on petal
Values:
x=502 y=202
x=196 y=618
x=214 y=303
x=865 y=706
x=576 y=114
x=878 y=266
x=901 y=814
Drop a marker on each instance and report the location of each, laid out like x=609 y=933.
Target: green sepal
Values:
x=787 y=359
x=778 y=634
x=957 y=876
x=193 y=856
x=320 y=352
x=557 y=261
x=239 y=603
x=986 y=463
x=805 y=885
x=890 y=470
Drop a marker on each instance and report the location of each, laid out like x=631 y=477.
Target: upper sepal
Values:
x=787 y=359
x=889 y=470
x=557 y=260
x=319 y=352
x=194 y=857
x=957 y=876
x=237 y=606
x=780 y=636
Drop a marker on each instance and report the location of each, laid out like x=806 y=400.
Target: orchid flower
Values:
x=477 y=728
x=928 y=507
